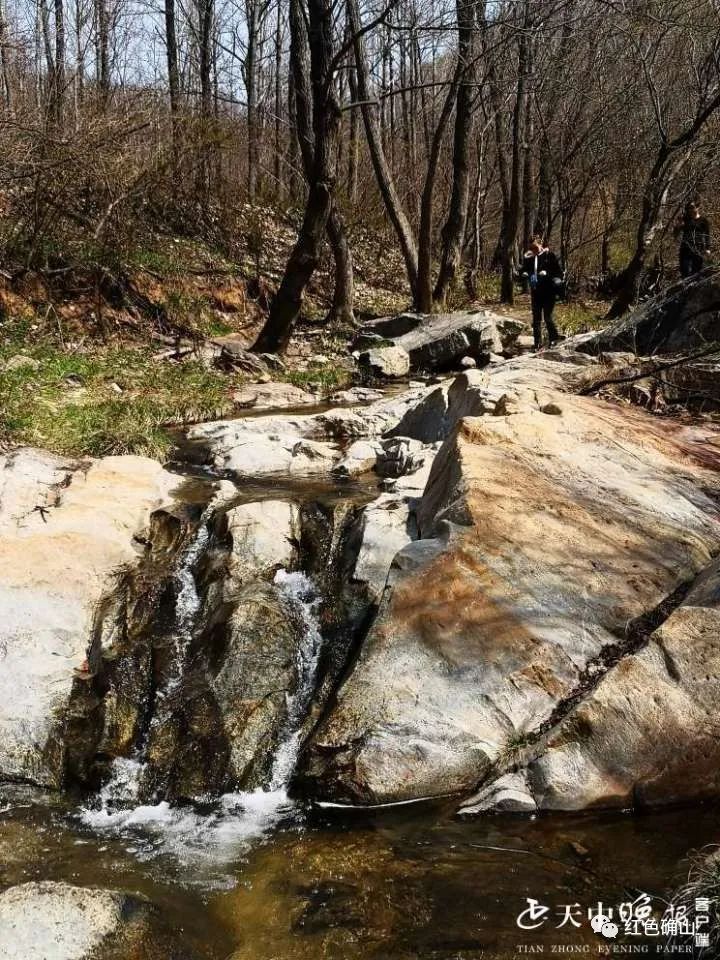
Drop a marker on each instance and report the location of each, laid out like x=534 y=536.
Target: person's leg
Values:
x=537 y=307
x=685 y=263
x=697 y=263
x=548 y=308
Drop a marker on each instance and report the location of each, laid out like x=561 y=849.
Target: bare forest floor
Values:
x=89 y=363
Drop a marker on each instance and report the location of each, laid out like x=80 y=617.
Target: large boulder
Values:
x=67 y=534
x=387 y=362
x=259 y=671
x=552 y=526
x=683 y=319
x=219 y=728
x=440 y=341
x=60 y=921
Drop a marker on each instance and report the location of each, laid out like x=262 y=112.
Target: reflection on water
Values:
x=255 y=877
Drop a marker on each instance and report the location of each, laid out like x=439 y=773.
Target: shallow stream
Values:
x=261 y=876
x=257 y=877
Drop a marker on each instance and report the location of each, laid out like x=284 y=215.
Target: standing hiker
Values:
x=693 y=230
x=544 y=274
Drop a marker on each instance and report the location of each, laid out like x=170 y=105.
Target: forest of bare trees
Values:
x=451 y=130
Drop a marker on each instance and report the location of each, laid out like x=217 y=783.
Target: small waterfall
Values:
x=187 y=604
x=122 y=791
x=303 y=596
x=212 y=833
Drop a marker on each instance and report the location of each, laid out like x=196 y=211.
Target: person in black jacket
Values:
x=544 y=274
x=694 y=233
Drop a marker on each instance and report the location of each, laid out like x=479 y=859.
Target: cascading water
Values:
x=235 y=819
x=301 y=593
x=124 y=785
x=187 y=603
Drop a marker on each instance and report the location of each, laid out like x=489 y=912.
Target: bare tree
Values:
x=470 y=16
x=286 y=306
x=514 y=204
x=173 y=72
x=673 y=149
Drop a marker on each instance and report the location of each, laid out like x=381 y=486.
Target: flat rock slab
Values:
x=297 y=444
x=555 y=521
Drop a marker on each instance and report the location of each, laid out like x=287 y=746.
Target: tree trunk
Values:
x=103 y=50
x=671 y=157
x=79 y=62
x=343 y=297
x=543 y=210
x=353 y=145
x=353 y=154
x=509 y=239
x=205 y=9
x=496 y=104
x=287 y=303
x=529 y=194
x=294 y=160
x=4 y=65
x=653 y=207
x=278 y=104
x=344 y=293
x=250 y=71
x=47 y=44
x=453 y=233
x=383 y=174
x=423 y=295
x=58 y=74
x=171 y=51
x=275 y=335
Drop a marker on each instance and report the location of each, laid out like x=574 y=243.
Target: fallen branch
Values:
x=593 y=388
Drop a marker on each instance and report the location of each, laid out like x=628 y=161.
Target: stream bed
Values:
x=262 y=875
x=258 y=877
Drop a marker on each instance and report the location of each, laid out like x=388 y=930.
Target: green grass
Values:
x=327 y=377
x=514 y=745
x=574 y=317
x=69 y=401
x=157 y=261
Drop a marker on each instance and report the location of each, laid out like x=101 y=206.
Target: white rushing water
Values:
x=215 y=836
x=302 y=594
x=187 y=603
